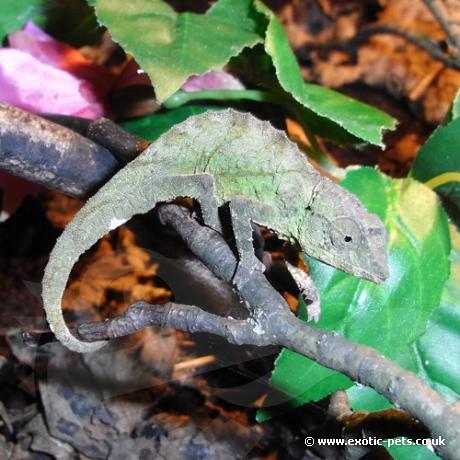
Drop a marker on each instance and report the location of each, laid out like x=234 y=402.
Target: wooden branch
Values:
x=51 y=155
x=123 y=145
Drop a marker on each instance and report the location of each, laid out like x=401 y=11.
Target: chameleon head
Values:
x=342 y=233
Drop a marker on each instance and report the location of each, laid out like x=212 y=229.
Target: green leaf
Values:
x=366 y=399
x=411 y=453
x=359 y=119
x=438 y=349
x=15 y=13
x=438 y=160
x=171 y=46
x=153 y=126
x=387 y=317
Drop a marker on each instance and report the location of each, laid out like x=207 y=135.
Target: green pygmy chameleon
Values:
x=226 y=158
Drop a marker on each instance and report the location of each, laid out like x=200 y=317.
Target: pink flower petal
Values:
x=27 y=83
x=215 y=79
x=46 y=49
x=32 y=29
x=38 y=44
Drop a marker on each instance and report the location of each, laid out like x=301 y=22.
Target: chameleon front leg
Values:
x=308 y=291
x=244 y=213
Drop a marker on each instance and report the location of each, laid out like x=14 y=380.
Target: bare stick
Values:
x=124 y=145
x=51 y=155
x=183 y=317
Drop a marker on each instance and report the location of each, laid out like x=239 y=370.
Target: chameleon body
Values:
x=225 y=158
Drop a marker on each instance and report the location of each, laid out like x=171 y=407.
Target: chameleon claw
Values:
x=313 y=310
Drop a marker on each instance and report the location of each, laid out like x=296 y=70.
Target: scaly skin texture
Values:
x=217 y=158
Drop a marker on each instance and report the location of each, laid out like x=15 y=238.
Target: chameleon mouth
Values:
x=376 y=278
x=377 y=267
x=378 y=274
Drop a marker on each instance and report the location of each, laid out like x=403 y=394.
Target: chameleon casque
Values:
x=219 y=158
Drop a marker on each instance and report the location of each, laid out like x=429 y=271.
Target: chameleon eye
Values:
x=345 y=233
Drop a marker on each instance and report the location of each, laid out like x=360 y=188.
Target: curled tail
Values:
x=132 y=191
x=113 y=205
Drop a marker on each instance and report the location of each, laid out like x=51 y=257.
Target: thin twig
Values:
x=351 y=46
x=440 y=11
x=194 y=363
